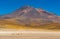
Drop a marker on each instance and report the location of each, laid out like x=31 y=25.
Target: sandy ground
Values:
x=29 y=34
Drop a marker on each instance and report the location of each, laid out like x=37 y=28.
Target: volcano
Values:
x=30 y=16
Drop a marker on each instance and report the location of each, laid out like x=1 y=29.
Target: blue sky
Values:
x=8 y=6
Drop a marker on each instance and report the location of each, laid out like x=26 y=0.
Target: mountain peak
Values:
x=25 y=7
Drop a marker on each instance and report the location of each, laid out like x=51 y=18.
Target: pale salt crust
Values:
x=15 y=32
